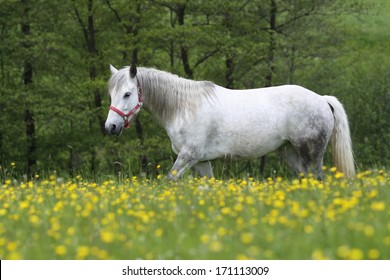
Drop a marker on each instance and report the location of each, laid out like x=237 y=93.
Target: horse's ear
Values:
x=113 y=69
x=133 y=70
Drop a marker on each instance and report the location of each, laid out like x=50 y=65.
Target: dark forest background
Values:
x=54 y=67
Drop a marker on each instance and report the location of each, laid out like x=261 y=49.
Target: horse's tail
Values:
x=341 y=139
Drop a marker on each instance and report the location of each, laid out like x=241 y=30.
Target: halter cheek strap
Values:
x=126 y=117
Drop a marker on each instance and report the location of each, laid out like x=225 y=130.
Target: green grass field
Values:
x=50 y=218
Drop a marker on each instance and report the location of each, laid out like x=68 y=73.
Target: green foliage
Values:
x=332 y=47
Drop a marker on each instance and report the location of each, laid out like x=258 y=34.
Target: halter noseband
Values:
x=127 y=116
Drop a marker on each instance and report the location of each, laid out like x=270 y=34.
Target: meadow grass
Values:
x=197 y=218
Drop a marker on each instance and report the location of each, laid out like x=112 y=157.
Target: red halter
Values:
x=126 y=117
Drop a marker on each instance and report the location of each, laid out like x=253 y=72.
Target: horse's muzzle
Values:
x=113 y=129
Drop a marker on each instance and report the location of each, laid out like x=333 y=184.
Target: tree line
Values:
x=54 y=67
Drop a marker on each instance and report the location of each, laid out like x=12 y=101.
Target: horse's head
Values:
x=126 y=99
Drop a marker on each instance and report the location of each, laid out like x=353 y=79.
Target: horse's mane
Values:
x=167 y=95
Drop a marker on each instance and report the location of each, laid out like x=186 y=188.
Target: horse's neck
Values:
x=168 y=97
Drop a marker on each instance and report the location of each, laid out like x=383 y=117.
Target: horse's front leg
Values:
x=186 y=158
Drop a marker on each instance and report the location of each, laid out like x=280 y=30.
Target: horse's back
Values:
x=255 y=122
x=280 y=104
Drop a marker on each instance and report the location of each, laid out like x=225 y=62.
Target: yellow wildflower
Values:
x=34 y=219
x=70 y=231
x=243 y=257
x=308 y=229
x=333 y=169
x=158 y=232
x=107 y=236
x=369 y=231
x=11 y=246
x=378 y=206
x=386 y=240
x=343 y=252
x=373 y=254
x=14 y=256
x=82 y=252
x=356 y=254
x=222 y=231
x=3 y=212
x=204 y=238
x=339 y=175
x=216 y=246
x=318 y=255
x=24 y=204
x=373 y=193
x=226 y=210
x=246 y=237
x=60 y=250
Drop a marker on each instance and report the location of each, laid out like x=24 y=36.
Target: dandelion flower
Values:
x=60 y=250
x=215 y=246
x=204 y=238
x=243 y=257
x=82 y=252
x=24 y=204
x=3 y=212
x=369 y=231
x=386 y=240
x=343 y=252
x=356 y=254
x=70 y=231
x=308 y=229
x=222 y=231
x=318 y=255
x=11 y=246
x=14 y=256
x=378 y=206
x=246 y=237
x=159 y=232
x=373 y=254
x=34 y=219
x=107 y=236
x=333 y=169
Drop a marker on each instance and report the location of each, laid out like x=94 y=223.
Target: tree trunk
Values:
x=27 y=81
x=89 y=32
x=229 y=72
x=272 y=45
x=270 y=61
x=292 y=66
x=183 y=49
x=92 y=49
x=229 y=62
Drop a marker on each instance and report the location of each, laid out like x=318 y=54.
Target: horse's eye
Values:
x=127 y=94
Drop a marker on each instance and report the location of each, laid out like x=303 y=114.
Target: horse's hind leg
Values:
x=204 y=169
x=311 y=154
x=293 y=159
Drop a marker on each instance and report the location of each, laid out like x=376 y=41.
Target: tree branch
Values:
x=81 y=23
x=205 y=57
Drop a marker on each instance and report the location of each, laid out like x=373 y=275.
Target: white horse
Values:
x=205 y=121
